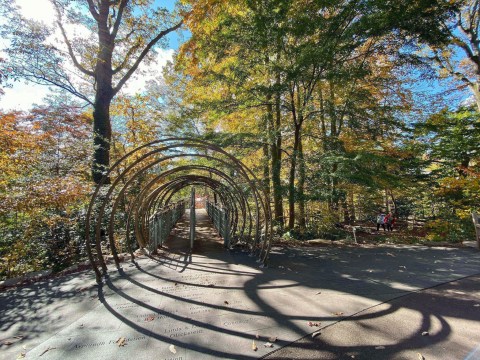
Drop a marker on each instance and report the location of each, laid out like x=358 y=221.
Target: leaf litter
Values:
x=122 y=341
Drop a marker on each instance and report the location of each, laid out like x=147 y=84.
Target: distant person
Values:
x=388 y=221
x=394 y=220
x=380 y=221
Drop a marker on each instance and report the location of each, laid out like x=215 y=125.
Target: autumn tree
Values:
x=450 y=142
x=92 y=50
x=44 y=187
x=283 y=56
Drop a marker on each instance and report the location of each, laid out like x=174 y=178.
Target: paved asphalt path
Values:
x=441 y=322
x=397 y=302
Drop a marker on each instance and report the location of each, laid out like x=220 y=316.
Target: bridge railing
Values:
x=162 y=223
x=220 y=220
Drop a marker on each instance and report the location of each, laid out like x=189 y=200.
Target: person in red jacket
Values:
x=394 y=219
x=387 y=220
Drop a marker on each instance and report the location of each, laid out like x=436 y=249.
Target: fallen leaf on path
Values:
x=420 y=356
x=338 y=313
x=225 y=302
x=272 y=339
x=425 y=333
x=316 y=333
x=149 y=318
x=313 y=324
x=121 y=341
x=172 y=349
x=254 y=346
x=47 y=350
x=270 y=345
x=318 y=293
x=379 y=347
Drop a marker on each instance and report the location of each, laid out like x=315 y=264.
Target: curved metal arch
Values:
x=129 y=181
x=258 y=196
x=141 y=171
x=224 y=176
x=132 y=207
x=178 y=183
x=225 y=195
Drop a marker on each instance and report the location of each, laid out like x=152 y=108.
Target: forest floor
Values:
x=366 y=234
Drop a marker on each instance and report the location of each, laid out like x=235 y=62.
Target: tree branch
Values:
x=93 y=11
x=118 y=20
x=145 y=51
x=69 y=45
x=126 y=58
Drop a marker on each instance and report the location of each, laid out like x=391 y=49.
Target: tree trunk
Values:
x=475 y=89
x=102 y=127
x=291 y=180
x=351 y=204
x=266 y=169
x=276 y=156
x=102 y=130
x=301 y=187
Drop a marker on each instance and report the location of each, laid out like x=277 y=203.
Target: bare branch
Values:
x=69 y=45
x=118 y=20
x=93 y=10
x=143 y=54
x=126 y=58
x=42 y=79
x=467 y=49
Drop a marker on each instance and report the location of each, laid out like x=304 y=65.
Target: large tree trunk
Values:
x=102 y=138
x=102 y=127
x=475 y=89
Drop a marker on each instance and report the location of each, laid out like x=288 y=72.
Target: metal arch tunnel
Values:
x=146 y=182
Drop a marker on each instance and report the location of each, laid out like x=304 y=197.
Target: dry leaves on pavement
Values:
x=121 y=341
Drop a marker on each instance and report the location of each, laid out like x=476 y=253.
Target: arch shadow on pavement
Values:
x=362 y=303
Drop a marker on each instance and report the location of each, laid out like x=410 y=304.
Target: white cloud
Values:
x=41 y=10
x=137 y=83
x=22 y=96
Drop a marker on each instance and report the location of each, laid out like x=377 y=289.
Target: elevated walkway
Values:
x=206 y=237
